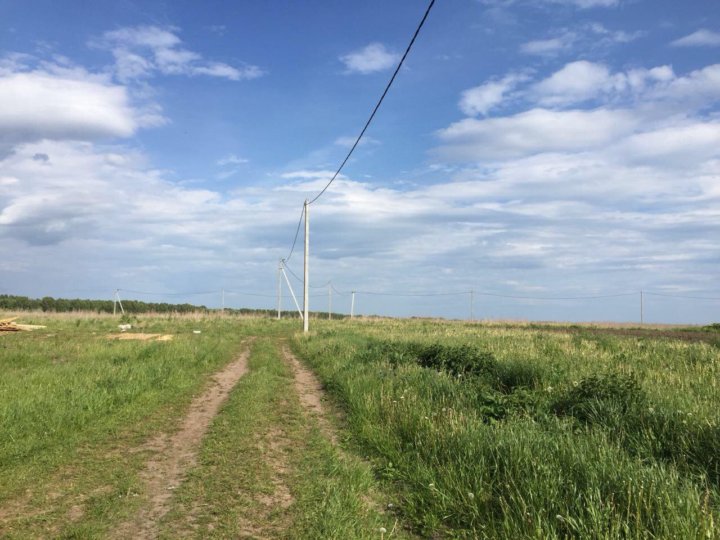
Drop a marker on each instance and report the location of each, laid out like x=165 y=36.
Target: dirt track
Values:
x=175 y=454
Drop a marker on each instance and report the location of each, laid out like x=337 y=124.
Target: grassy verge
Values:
x=515 y=433
x=74 y=404
x=266 y=470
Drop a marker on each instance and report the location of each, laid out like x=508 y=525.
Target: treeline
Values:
x=59 y=305
x=62 y=305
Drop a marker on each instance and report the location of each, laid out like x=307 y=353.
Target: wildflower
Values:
x=471 y=495
x=382 y=530
x=549 y=389
x=390 y=506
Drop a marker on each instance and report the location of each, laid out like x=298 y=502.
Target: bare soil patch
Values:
x=176 y=453
x=141 y=337
x=311 y=392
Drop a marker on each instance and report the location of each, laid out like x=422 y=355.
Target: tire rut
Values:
x=176 y=453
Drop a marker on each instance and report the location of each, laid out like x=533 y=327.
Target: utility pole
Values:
x=223 y=300
x=352 y=305
x=472 y=305
x=641 y=307
x=115 y=296
x=280 y=269
x=118 y=301
x=306 y=272
x=329 y=301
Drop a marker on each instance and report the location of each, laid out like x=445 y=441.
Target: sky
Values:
x=529 y=151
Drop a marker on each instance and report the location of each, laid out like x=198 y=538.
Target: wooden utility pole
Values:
x=306 y=272
x=352 y=305
x=223 y=301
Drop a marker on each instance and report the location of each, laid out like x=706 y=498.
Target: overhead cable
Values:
x=377 y=106
x=297 y=232
x=682 y=296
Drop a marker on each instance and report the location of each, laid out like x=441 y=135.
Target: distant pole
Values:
x=472 y=305
x=280 y=269
x=223 y=300
x=641 y=307
x=306 y=272
x=115 y=297
x=329 y=301
x=352 y=305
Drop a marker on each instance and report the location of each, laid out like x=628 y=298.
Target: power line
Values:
x=373 y=293
x=555 y=297
x=241 y=293
x=387 y=88
x=297 y=232
x=341 y=293
x=169 y=293
x=683 y=296
x=293 y=274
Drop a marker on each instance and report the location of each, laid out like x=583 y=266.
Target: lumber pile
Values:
x=9 y=325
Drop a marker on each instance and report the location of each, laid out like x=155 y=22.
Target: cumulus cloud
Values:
x=481 y=99
x=142 y=51
x=699 y=38
x=533 y=131
x=552 y=46
x=45 y=103
x=576 y=82
x=370 y=59
x=581 y=81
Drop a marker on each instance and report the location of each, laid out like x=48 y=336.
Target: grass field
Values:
x=438 y=430
x=502 y=432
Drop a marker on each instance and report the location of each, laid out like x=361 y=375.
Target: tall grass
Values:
x=68 y=386
x=517 y=433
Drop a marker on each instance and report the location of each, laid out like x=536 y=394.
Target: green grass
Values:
x=518 y=433
x=72 y=403
x=266 y=470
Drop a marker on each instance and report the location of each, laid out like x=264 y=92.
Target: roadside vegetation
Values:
x=445 y=429
x=73 y=402
x=523 y=433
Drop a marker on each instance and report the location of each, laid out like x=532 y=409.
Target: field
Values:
x=363 y=429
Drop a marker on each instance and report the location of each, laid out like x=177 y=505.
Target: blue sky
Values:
x=553 y=148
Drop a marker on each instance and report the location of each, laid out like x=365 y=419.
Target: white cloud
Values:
x=550 y=46
x=574 y=83
x=591 y=36
x=231 y=159
x=481 y=99
x=38 y=105
x=699 y=38
x=533 y=131
x=580 y=81
x=370 y=59
x=230 y=165
x=143 y=50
